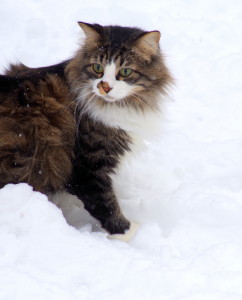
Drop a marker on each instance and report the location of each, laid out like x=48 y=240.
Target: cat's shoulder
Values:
x=16 y=75
x=20 y=71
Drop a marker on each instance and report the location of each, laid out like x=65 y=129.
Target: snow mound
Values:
x=42 y=257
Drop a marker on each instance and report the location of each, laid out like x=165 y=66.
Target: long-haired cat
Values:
x=67 y=126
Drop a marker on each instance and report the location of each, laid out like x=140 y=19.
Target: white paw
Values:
x=128 y=235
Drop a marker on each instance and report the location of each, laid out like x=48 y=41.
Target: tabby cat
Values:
x=67 y=126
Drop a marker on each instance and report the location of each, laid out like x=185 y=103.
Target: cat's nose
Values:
x=106 y=87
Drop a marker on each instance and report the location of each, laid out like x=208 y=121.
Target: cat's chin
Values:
x=109 y=99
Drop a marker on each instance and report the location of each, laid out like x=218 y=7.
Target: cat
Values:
x=67 y=126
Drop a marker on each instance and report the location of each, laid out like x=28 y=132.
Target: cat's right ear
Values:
x=147 y=44
x=90 y=31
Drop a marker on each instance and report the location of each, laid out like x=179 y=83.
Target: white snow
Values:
x=185 y=189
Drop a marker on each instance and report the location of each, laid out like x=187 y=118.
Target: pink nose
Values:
x=107 y=89
x=105 y=86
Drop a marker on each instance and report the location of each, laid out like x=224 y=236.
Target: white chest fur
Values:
x=135 y=123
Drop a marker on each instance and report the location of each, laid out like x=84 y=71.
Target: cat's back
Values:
x=37 y=127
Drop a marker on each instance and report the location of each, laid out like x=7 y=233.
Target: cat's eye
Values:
x=98 y=68
x=125 y=72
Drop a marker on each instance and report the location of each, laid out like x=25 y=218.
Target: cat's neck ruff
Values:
x=138 y=123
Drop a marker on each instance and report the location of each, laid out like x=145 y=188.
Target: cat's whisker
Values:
x=85 y=105
x=78 y=112
x=82 y=106
x=128 y=101
x=79 y=88
x=145 y=100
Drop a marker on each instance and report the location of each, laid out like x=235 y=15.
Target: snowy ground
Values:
x=185 y=189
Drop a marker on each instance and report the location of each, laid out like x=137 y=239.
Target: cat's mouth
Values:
x=108 y=98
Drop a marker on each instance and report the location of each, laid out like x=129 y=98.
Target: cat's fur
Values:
x=67 y=127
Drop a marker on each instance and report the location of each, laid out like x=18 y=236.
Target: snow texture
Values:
x=185 y=189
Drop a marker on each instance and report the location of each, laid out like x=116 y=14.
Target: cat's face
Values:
x=112 y=83
x=120 y=65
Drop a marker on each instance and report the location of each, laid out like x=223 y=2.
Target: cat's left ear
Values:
x=148 y=43
x=90 y=31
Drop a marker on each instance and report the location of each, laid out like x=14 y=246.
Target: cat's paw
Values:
x=116 y=225
x=128 y=235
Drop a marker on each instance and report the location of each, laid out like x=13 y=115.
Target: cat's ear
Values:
x=90 y=31
x=148 y=43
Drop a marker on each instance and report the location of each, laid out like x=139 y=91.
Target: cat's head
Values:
x=119 y=66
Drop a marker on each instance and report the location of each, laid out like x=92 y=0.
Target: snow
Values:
x=185 y=189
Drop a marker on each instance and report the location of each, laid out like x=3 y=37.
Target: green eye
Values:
x=97 y=68
x=125 y=72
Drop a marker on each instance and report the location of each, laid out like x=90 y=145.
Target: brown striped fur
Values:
x=37 y=135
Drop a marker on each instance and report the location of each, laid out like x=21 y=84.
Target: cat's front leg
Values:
x=99 y=200
x=106 y=209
